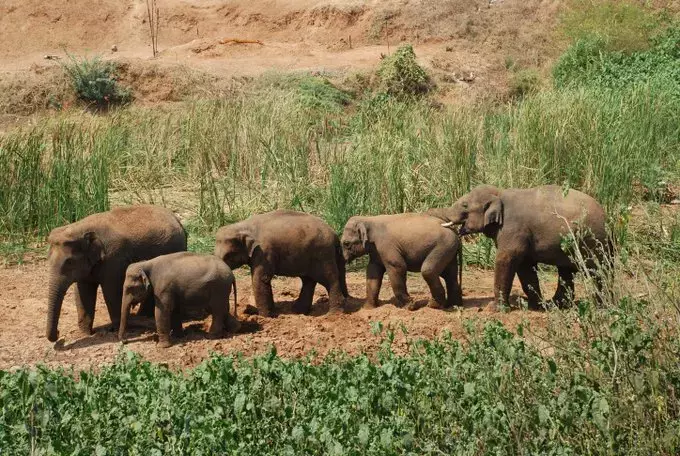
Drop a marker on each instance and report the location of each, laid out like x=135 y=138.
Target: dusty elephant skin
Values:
x=406 y=242
x=286 y=243
x=178 y=281
x=528 y=227
x=97 y=250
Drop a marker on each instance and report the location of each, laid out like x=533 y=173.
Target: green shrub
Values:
x=94 y=81
x=608 y=385
x=401 y=76
x=524 y=82
x=591 y=62
x=320 y=93
x=625 y=25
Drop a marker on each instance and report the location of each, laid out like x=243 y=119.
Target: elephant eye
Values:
x=465 y=205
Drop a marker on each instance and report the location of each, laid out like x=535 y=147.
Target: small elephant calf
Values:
x=176 y=281
x=406 y=242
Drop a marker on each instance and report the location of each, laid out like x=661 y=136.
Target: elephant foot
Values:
x=369 y=305
x=164 y=343
x=267 y=313
x=300 y=308
x=492 y=307
x=233 y=325
x=335 y=310
x=434 y=304
x=407 y=302
x=412 y=306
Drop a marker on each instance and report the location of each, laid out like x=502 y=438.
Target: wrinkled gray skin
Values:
x=286 y=243
x=178 y=281
x=97 y=250
x=406 y=242
x=528 y=227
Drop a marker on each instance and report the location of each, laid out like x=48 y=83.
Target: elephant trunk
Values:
x=449 y=215
x=57 y=290
x=124 y=313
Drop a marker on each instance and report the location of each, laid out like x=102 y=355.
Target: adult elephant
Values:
x=286 y=243
x=97 y=250
x=530 y=226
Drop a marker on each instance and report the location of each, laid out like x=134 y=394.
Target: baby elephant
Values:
x=406 y=242
x=176 y=281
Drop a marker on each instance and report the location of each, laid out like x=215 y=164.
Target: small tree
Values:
x=401 y=76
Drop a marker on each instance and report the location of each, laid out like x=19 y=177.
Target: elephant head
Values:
x=235 y=245
x=354 y=239
x=479 y=211
x=71 y=257
x=136 y=289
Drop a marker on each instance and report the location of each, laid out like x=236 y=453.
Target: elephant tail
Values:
x=460 y=266
x=233 y=285
x=340 y=261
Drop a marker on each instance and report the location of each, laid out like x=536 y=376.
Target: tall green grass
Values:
x=266 y=150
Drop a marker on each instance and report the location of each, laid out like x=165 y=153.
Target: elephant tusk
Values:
x=447 y=224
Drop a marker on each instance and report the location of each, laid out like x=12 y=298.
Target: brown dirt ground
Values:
x=23 y=302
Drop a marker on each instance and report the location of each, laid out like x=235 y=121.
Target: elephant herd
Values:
x=137 y=255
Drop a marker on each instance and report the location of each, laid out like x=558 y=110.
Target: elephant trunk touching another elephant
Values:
x=547 y=224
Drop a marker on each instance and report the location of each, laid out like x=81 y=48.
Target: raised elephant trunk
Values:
x=57 y=290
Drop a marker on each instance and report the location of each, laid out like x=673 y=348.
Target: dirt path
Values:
x=23 y=302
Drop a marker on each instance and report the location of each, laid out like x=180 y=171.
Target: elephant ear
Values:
x=363 y=233
x=250 y=244
x=94 y=247
x=144 y=278
x=493 y=212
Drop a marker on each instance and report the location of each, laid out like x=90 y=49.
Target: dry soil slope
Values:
x=520 y=28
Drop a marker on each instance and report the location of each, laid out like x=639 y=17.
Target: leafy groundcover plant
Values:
x=608 y=385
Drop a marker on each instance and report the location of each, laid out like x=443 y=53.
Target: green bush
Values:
x=627 y=26
x=94 y=81
x=609 y=385
x=524 y=82
x=401 y=76
x=589 y=62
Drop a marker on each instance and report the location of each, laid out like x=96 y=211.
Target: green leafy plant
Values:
x=607 y=386
x=94 y=81
x=401 y=76
x=524 y=82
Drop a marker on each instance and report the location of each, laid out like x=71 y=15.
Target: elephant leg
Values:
x=264 y=297
x=431 y=271
x=528 y=277
x=113 y=296
x=176 y=322
x=219 y=317
x=565 y=287
x=163 y=316
x=303 y=304
x=86 y=298
x=146 y=308
x=397 y=276
x=374 y=278
x=336 y=298
x=454 y=292
x=504 y=273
